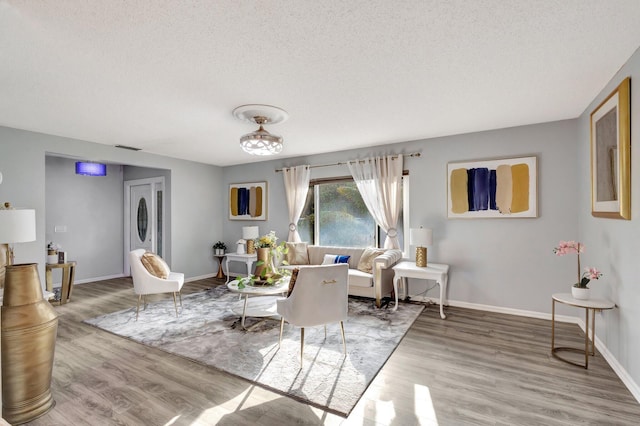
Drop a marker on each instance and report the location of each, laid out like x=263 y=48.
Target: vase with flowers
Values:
x=579 y=290
x=52 y=252
x=268 y=251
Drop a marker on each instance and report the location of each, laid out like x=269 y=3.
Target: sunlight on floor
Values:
x=424 y=406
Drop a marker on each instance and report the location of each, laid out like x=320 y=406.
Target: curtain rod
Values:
x=344 y=163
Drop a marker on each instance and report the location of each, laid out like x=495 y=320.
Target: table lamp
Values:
x=28 y=328
x=16 y=226
x=420 y=238
x=250 y=233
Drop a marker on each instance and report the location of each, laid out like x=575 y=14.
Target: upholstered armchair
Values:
x=319 y=297
x=144 y=282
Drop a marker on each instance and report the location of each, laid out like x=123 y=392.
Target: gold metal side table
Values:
x=590 y=306
x=68 y=275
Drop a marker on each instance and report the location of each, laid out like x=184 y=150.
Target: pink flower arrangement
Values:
x=571 y=247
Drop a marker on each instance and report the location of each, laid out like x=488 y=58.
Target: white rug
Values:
x=208 y=332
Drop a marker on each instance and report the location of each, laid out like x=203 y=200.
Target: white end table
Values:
x=590 y=306
x=247 y=259
x=433 y=271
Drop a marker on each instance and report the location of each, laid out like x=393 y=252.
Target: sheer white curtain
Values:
x=296 y=186
x=379 y=181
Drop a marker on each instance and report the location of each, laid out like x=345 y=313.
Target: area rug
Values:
x=208 y=332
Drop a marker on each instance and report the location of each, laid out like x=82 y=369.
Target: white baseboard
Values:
x=606 y=354
x=90 y=280
x=615 y=365
x=201 y=277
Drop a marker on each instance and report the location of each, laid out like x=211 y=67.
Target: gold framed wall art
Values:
x=610 y=155
x=248 y=201
x=500 y=188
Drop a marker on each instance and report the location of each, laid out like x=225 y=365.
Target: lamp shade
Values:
x=250 y=232
x=17 y=226
x=420 y=237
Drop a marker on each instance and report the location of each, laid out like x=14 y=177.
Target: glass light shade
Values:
x=261 y=142
x=420 y=237
x=250 y=232
x=17 y=226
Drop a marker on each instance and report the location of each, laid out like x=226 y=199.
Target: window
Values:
x=335 y=215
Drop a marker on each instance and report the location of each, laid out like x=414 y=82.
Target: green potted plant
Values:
x=219 y=248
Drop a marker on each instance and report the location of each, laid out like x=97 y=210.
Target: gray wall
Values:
x=613 y=245
x=499 y=262
x=91 y=208
x=195 y=188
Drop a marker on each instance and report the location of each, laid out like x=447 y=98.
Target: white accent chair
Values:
x=145 y=283
x=320 y=296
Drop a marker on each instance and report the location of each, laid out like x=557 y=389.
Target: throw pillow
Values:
x=155 y=265
x=335 y=258
x=366 y=260
x=292 y=281
x=297 y=254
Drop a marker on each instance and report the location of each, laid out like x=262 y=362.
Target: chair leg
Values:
x=138 y=306
x=180 y=294
x=301 y=345
x=325 y=332
x=281 y=328
x=344 y=342
x=175 y=303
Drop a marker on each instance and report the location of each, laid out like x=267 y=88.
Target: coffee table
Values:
x=263 y=302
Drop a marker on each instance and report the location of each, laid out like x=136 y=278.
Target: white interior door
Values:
x=142 y=218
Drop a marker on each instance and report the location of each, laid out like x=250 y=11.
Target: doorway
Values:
x=143 y=217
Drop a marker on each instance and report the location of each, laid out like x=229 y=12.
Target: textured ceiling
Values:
x=164 y=76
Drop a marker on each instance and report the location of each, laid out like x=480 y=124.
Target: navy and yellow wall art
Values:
x=492 y=188
x=248 y=201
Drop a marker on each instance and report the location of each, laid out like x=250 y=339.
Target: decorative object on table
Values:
x=267 y=246
x=52 y=252
x=219 y=248
x=250 y=233
x=420 y=238
x=611 y=155
x=505 y=188
x=62 y=256
x=579 y=290
x=29 y=327
x=240 y=246
x=328 y=382
x=261 y=142
x=248 y=201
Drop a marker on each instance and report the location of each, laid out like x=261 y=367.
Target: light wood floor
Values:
x=474 y=368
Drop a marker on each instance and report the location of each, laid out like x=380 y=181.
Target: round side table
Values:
x=220 y=257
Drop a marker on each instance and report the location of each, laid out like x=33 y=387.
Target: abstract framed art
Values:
x=610 y=155
x=248 y=201
x=500 y=188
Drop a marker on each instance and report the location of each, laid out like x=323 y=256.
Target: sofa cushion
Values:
x=360 y=279
x=155 y=265
x=330 y=259
x=316 y=254
x=366 y=260
x=297 y=254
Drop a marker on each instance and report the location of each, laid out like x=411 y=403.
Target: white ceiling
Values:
x=164 y=76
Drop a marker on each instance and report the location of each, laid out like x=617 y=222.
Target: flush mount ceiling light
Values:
x=261 y=142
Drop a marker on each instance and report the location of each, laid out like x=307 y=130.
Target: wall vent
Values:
x=130 y=148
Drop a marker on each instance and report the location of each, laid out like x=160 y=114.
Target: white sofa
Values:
x=376 y=284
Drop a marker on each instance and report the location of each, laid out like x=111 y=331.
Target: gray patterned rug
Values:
x=208 y=332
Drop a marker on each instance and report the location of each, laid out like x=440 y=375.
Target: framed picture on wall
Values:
x=610 y=155
x=248 y=201
x=500 y=188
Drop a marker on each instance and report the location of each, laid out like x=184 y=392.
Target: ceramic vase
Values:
x=264 y=254
x=29 y=326
x=580 y=293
